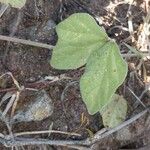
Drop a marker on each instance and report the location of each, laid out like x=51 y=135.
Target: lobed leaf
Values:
x=81 y=41
x=115 y=112
x=105 y=72
x=78 y=36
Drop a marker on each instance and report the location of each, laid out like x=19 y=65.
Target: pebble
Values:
x=40 y=109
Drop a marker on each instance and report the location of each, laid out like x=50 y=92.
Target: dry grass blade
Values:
x=15 y=103
x=9 y=105
x=14 y=98
x=144 y=33
x=45 y=132
x=13 y=78
x=3 y=9
x=6 y=97
x=137 y=97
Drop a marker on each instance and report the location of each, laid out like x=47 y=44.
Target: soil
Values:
x=30 y=64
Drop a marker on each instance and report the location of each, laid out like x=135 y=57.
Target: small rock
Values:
x=38 y=110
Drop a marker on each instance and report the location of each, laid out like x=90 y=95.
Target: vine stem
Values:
x=26 y=42
x=42 y=45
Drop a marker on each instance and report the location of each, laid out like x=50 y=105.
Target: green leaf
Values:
x=115 y=112
x=105 y=72
x=78 y=36
x=14 y=3
x=81 y=41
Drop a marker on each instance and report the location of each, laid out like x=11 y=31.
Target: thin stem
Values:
x=26 y=42
x=42 y=45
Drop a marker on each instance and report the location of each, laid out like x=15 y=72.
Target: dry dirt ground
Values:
x=36 y=21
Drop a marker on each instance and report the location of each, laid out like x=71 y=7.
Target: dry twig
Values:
x=7 y=140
